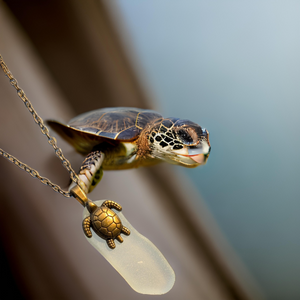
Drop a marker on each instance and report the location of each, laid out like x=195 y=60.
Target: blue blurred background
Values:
x=234 y=67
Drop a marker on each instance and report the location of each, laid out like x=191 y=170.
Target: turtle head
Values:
x=180 y=142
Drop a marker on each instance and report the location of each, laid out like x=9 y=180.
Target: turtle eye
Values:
x=185 y=137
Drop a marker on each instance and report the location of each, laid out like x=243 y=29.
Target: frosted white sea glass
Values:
x=137 y=260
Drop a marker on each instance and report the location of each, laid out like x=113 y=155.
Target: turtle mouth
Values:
x=194 y=155
x=199 y=158
x=193 y=160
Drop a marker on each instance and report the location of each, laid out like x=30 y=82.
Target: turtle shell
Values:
x=107 y=124
x=106 y=223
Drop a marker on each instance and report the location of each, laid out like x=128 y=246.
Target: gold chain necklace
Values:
x=51 y=140
x=125 y=260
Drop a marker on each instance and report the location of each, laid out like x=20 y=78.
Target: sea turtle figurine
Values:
x=105 y=222
x=124 y=137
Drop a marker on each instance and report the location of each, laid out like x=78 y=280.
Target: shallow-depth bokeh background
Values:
x=69 y=57
x=234 y=67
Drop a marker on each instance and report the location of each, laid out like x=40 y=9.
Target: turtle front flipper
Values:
x=86 y=226
x=125 y=230
x=91 y=171
x=112 y=204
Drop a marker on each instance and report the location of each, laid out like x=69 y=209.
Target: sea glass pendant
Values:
x=137 y=260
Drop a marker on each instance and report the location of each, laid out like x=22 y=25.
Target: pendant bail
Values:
x=79 y=195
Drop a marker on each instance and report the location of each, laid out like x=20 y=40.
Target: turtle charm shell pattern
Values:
x=105 y=223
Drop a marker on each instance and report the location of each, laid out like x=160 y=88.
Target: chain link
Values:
x=51 y=140
x=33 y=173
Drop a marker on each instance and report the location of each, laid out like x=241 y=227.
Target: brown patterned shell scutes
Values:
x=118 y=123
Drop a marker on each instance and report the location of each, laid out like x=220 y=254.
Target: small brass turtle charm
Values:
x=105 y=222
